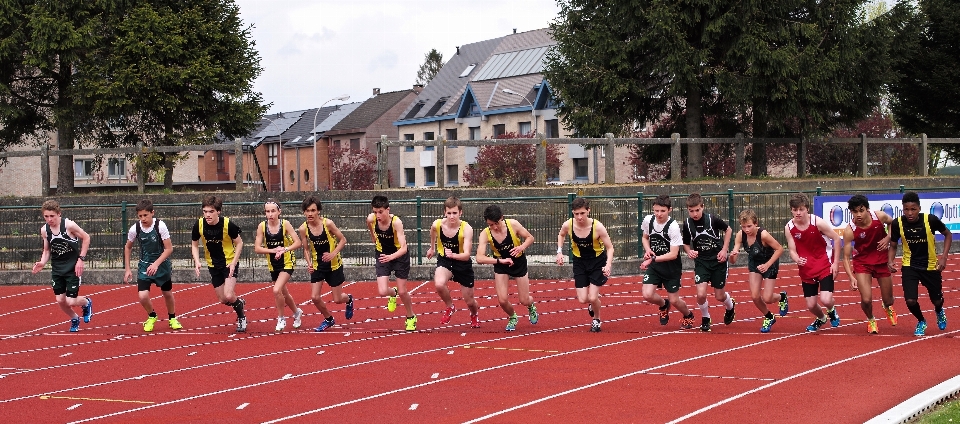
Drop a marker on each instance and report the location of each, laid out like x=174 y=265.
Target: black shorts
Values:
x=517 y=270
x=589 y=271
x=462 y=270
x=333 y=278
x=275 y=274
x=65 y=284
x=712 y=271
x=399 y=266
x=912 y=278
x=771 y=273
x=218 y=275
x=144 y=285
x=824 y=284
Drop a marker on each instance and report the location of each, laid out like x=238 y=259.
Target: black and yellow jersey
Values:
x=454 y=243
x=280 y=239
x=502 y=249
x=586 y=247
x=217 y=241
x=387 y=241
x=319 y=244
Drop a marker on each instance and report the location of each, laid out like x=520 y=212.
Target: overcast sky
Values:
x=314 y=50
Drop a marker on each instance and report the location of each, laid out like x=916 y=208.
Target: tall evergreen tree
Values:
x=432 y=62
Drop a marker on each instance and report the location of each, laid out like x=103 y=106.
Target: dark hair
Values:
x=911 y=197
x=662 y=200
x=798 y=200
x=212 y=201
x=694 y=200
x=493 y=213
x=311 y=200
x=145 y=205
x=380 y=202
x=579 y=203
x=858 y=200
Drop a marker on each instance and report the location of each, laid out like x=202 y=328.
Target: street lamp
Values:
x=532 y=109
x=342 y=98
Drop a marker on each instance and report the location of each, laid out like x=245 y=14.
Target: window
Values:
x=83 y=168
x=499 y=130
x=469 y=67
x=411 y=176
x=336 y=144
x=220 y=163
x=453 y=174
x=553 y=174
x=306 y=176
x=428 y=136
x=408 y=137
x=272 y=150
x=474 y=133
x=293 y=176
x=354 y=144
x=474 y=110
x=430 y=175
x=580 y=169
x=118 y=167
x=451 y=135
x=524 y=128
x=553 y=128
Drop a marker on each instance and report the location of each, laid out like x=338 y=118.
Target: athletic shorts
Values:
x=912 y=278
x=817 y=286
x=589 y=271
x=875 y=270
x=333 y=278
x=218 y=275
x=275 y=274
x=517 y=270
x=462 y=270
x=671 y=283
x=69 y=284
x=714 y=272
x=144 y=285
x=771 y=273
x=399 y=266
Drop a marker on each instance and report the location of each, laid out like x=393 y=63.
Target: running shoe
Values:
x=834 y=317
x=149 y=323
x=921 y=329
x=767 y=323
x=512 y=323
x=705 y=324
x=534 y=316
x=174 y=324
x=784 y=304
x=872 y=327
x=411 y=324
x=298 y=318
x=590 y=310
x=325 y=324
x=242 y=325
x=475 y=320
x=74 y=324
x=891 y=315
x=447 y=313
x=687 y=322
x=942 y=319
x=595 y=326
x=731 y=313
x=349 y=312
x=664 y=316
x=281 y=324
x=817 y=323
x=88 y=310
x=392 y=300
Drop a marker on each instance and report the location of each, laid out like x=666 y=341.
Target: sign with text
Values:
x=945 y=206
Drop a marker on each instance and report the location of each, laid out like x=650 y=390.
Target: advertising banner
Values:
x=945 y=206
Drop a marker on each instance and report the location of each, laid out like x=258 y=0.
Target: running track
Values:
x=367 y=370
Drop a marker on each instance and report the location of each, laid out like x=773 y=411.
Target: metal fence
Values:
x=107 y=224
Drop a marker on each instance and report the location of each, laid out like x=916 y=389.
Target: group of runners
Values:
x=869 y=246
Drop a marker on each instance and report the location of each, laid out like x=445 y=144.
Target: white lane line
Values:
x=66 y=354
x=191 y=353
x=450 y=353
x=71 y=408
x=243 y=405
x=286 y=377
x=24 y=293
x=320 y=352
x=414 y=407
x=435 y=375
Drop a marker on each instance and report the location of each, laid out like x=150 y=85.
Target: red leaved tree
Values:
x=509 y=164
x=352 y=169
x=888 y=159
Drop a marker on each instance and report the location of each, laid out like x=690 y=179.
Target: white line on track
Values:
x=71 y=408
x=44 y=305
x=414 y=407
x=25 y=293
x=310 y=302
x=243 y=405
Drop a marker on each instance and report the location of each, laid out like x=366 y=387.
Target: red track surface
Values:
x=367 y=370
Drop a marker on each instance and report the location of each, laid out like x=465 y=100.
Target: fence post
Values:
x=238 y=166
x=741 y=160
x=45 y=170
x=639 y=224
x=141 y=178
x=419 y=233
x=381 y=163
x=730 y=215
x=541 y=158
x=902 y=189
x=124 y=225
x=441 y=162
x=802 y=157
x=819 y=191
x=609 y=162
x=863 y=155
x=675 y=172
x=923 y=155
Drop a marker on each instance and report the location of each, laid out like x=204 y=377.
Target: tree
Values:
x=352 y=169
x=843 y=159
x=509 y=164
x=432 y=62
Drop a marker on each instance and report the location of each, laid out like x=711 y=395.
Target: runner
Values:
x=276 y=239
x=661 y=261
x=451 y=241
x=503 y=236
x=65 y=246
x=706 y=240
x=812 y=243
x=154 y=266
x=866 y=240
x=763 y=262
x=386 y=230
x=222 y=246
x=592 y=258
x=322 y=252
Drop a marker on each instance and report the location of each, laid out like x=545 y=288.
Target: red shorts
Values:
x=875 y=270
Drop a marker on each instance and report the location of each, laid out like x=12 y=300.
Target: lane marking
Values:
x=450 y=353
x=96 y=399
x=191 y=353
x=71 y=408
x=320 y=352
x=243 y=405
x=414 y=407
x=508 y=348
x=727 y=377
x=435 y=375
x=66 y=354
x=286 y=377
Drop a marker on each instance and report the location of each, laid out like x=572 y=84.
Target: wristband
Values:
x=559 y=250
x=498 y=261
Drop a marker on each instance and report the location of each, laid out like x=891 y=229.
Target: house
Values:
x=487 y=89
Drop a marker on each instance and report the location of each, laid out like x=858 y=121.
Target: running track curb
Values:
x=910 y=408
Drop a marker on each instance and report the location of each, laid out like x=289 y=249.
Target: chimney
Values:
x=376 y=91
x=458 y=50
x=417 y=88
x=514 y=30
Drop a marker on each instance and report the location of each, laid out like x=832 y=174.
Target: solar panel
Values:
x=521 y=62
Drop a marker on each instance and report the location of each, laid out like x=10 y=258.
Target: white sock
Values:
x=704 y=310
x=728 y=302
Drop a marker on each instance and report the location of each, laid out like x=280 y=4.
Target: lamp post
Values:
x=342 y=98
x=532 y=109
